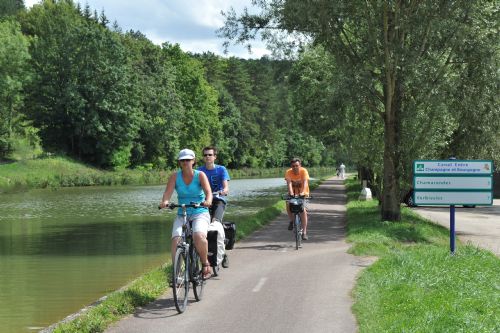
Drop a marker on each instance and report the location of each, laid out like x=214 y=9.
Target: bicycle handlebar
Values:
x=174 y=205
x=288 y=197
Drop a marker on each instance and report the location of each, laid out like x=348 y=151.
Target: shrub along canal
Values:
x=63 y=249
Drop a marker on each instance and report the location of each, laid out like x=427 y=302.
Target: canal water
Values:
x=61 y=250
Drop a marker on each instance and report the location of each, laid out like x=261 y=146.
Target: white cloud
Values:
x=189 y=23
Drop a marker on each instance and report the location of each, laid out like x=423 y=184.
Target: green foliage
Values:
x=81 y=97
x=157 y=141
x=199 y=115
x=14 y=75
x=25 y=142
x=10 y=7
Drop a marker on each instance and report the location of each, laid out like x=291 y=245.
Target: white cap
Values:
x=186 y=154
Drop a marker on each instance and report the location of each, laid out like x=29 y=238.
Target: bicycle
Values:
x=296 y=203
x=187 y=265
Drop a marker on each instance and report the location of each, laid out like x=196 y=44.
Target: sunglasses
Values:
x=185 y=160
x=208 y=155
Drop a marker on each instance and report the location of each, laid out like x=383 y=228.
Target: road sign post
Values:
x=453 y=182
x=452 y=229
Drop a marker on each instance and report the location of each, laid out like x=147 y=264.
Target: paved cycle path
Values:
x=270 y=286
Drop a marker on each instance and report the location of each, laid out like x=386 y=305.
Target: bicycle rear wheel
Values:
x=197 y=275
x=297 y=229
x=180 y=280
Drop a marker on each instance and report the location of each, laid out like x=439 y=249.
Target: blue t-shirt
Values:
x=215 y=177
x=190 y=193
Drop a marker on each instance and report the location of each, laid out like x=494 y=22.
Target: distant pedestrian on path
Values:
x=297 y=180
x=342 y=171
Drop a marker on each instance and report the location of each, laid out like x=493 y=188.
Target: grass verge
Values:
x=416 y=285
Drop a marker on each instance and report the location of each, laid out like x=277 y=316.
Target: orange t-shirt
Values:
x=297 y=180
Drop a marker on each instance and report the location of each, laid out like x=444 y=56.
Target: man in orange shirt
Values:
x=297 y=180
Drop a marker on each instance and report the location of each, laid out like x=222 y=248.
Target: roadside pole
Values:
x=452 y=229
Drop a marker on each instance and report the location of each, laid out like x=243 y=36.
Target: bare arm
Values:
x=205 y=185
x=289 y=185
x=169 y=190
x=225 y=187
x=306 y=182
x=304 y=186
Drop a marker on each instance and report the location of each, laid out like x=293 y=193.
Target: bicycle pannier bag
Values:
x=230 y=232
x=212 y=247
x=296 y=206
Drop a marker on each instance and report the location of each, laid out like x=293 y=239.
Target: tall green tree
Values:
x=238 y=84
x=402 y=54
x=82 y=96
x=200 y=110
x=10 y=7
x=14 y=75
x=161 y=107
x=229 y=116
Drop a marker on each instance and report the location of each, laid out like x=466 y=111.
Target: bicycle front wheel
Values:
x=297 y=231
x=180 y=280
x=197 y=275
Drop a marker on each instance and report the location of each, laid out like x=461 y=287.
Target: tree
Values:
x=82 y=97
x=199 y=116
x=157 y=141
x=14 y=75
x=10 y=7
x=402 y=55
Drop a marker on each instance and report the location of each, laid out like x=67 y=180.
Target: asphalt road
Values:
x=479 y=226
x=270 y=286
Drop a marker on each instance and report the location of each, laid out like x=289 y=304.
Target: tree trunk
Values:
x=391 y=209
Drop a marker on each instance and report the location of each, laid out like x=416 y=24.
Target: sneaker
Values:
x=225 y=261
x=290 y=225
x=305 y=237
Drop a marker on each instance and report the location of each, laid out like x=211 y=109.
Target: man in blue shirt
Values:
x=218 y=178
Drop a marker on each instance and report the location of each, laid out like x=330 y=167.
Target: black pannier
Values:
x=296 y=205
x=230 y=232
x=212 y=247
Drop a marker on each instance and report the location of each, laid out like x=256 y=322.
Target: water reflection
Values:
x=61 y=250
x=107 y=238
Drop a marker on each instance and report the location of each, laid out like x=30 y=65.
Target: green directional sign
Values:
x=453 y=167
x=453 y=198
x=453 y=182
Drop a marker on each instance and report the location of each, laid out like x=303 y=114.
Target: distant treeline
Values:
x=73 y=84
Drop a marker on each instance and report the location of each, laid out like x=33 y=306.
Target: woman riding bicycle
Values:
x=191 y=186
x=297 y=180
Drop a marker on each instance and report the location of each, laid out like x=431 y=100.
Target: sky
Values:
x=189 y=23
